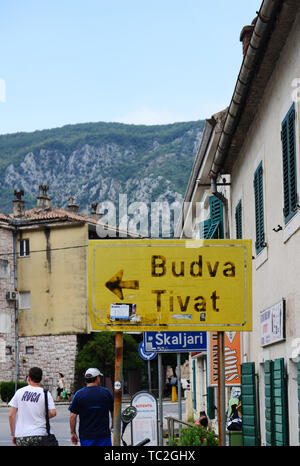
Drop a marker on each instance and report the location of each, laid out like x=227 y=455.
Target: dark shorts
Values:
x=99 y=442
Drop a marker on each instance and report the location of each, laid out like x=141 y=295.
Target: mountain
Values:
x=96 y=162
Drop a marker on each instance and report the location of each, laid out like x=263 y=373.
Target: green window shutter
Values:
x=280 y=404
x=288 y=141
x=194 y=385
x=259 y=209
x=276 y=403
x=238 y=221
x=211 y=402
x=249 y=413
x=269 y=403
x=204 y=229
x=216 y=230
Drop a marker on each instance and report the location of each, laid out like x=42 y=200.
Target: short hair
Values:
x=36 y=374
x=90 y=379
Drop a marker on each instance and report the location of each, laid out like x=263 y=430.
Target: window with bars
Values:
x=259 y=209
x=238 y=221
x=288 y=141
x=24 y=250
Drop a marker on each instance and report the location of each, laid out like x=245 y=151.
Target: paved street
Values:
x=60 y=423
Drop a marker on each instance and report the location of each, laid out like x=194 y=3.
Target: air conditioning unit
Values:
x=11 y=295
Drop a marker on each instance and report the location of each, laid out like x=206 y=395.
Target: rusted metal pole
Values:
x=118 y=388
x=221 y=391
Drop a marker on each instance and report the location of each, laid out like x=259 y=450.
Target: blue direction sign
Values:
x=178 y=342
x=146 y=355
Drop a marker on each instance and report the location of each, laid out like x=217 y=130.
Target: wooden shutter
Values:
x=269 y=402
x=249 y=413
x=288 y=142
x=204 y=229
x=194 y=385
x=216 y=230
x=276 y=403
x=259 y=209
x=238 y=221
x=280 y=403
x=211 y=402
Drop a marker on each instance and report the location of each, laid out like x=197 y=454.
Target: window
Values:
x=24 y=247
x=288 y=141
x=24 y=300
x=238 y=221
x=8 y=350
x=259 y=209
x=213 y=228
x=29 y=350
x=4 y=268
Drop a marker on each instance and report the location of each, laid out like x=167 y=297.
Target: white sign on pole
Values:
x=144 y=425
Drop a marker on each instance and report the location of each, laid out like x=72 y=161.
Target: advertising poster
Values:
x=232 y=356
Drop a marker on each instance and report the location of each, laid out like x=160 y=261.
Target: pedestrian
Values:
x=92 y=404
x=27 y=413
x=61 y=386
x=203 y=420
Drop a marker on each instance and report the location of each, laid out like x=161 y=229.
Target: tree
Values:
x=100 y=352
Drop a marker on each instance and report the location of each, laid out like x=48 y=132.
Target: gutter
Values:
x=265 y=19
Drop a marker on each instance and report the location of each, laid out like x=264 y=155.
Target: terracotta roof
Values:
x=54 y=213
x=4 y=218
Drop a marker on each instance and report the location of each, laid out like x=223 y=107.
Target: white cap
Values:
x=92 y=372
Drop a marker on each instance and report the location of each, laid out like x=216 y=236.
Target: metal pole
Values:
x=179 y=390
x=118 y=388
x=149 y=375
x=221 y=391
x=160 y=439
x=16 y=315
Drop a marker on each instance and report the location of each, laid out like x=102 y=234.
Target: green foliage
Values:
x=100 y=352
x=7 y=390
x=136 y=151
x=195 y=436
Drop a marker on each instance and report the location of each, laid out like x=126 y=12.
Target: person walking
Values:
x=92 y=404
x=27 y=419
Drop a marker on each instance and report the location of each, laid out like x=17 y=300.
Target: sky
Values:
x=129 y=61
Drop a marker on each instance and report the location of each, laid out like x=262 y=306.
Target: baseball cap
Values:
x=92 y=372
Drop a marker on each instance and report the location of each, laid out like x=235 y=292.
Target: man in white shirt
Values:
x=27 y=413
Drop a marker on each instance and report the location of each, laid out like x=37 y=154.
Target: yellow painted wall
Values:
x=57 y=280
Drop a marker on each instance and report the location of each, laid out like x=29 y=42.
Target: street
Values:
x=60 y=423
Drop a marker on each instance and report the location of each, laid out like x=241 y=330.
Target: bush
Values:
x=195 y=436
x=7 y=390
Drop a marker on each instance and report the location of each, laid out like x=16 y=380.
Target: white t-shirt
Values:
x=30 y=402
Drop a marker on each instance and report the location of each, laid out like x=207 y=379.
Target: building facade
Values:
x=251 y=170
x=43 y=288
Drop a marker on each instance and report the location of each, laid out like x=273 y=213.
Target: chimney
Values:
x=18 y=204
x=96 y=211
x=43 y=199
x=246 y=35
x=72 y=207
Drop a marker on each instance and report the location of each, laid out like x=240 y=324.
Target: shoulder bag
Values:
x=48 y=440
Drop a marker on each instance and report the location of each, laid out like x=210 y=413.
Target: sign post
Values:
x=118 y=388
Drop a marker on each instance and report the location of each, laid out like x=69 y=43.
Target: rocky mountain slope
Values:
x=97 y=162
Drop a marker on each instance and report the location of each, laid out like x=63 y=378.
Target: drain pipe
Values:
x=262 y=26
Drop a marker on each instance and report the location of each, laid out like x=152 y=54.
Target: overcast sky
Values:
x=130 y=61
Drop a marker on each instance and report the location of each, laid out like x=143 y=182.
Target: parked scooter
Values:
x=127 y=417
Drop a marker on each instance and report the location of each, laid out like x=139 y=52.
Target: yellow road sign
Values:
x=156 y=285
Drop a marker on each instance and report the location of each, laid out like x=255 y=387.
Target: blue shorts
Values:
x=98 y=442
